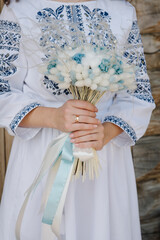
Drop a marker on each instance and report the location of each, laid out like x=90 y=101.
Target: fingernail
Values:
x=72 y=140
x=71 y=135
x=95 y=126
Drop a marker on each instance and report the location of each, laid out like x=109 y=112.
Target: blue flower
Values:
x=78 y=57
x=60 y=77
x=104 y=65
x=52 y=64
x=118 y=67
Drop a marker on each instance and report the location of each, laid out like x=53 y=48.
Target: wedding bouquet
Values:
x=88 y=72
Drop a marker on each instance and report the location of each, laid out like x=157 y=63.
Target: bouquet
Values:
x=88 y=66
x=87 y=70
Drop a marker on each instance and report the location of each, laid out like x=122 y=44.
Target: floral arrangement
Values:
x=90 y=67
x=88 y=72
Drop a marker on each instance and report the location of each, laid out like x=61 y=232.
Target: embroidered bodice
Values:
x=28 y=35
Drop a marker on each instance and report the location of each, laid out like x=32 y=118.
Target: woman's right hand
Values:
x=65 y=117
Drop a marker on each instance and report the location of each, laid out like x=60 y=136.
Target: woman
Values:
x=107 y=207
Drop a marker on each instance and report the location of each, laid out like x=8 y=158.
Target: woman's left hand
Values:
x=89 y=139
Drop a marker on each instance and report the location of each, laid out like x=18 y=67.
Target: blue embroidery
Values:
x=135 y=54
x=9 y=26
x=6 y=66
x=48 y=13
x=97 y=30
x=53 y=87
x=74 y=15
x=9 y=35
x=122 y=124
x=4 y=86
x=97 y=14
x=9 y=41
x=19 y=116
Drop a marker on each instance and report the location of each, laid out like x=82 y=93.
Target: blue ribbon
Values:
x=67 y=160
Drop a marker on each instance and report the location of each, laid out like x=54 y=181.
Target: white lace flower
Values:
x=88 y=82
x=79 y=68
x=79 y=76
x=80 y=83
x=64 y=85
x=104 y=83
x=96 y=71
x=67 y=79
x=94 y=86
x=85 y=73
x=53 y=71
x=97 y=79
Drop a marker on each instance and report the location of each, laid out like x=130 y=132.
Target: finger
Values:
x=84 y=105
x=83 y=133
x=86 y=138
x=93 y=144
x=82 y=112
x=82 y=126
x=86 y=119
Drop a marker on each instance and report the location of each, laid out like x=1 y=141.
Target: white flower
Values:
x=91 y=59
x=79 y=68
x=88 y=82
x=98 y=79
x=54 y=78
x=60 y=68
x=79 y=76
x=85 y=73
x=94 y=86
x=105 y=76
x=53 y=71
x=67 y=79
x=104 y=83
x=64 y=85
x=80 y=83
x=111 y=71
x=96 y=71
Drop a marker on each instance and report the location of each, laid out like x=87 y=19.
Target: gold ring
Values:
x=76 y=119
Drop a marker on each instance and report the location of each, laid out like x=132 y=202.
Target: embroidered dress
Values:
x=106 y=208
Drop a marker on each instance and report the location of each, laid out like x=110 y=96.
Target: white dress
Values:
x=103 y=209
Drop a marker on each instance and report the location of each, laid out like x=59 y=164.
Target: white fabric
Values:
x=104 y=209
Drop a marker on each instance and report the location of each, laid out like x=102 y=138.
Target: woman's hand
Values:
x=89 y=139
x=65 y=117
x=97 y=137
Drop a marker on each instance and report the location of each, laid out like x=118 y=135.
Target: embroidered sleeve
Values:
x=10 y=43
x=131 y=110
x=14 y=104
x=136 y=54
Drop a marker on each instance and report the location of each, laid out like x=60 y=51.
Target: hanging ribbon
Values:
x=58 y=161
